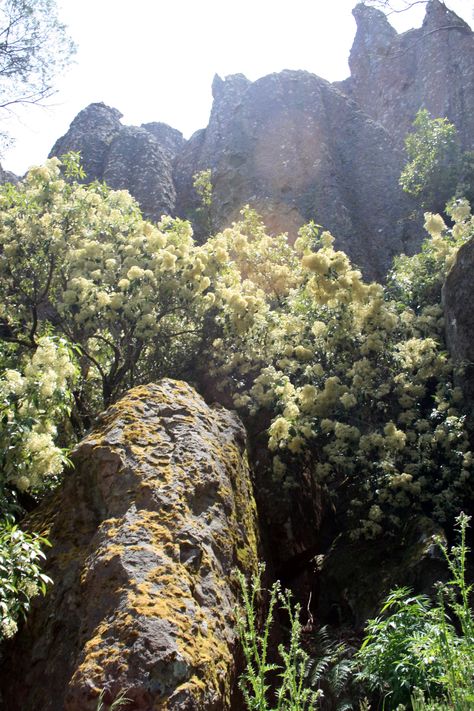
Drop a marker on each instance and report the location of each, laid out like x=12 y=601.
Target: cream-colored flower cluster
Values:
x=359 y=385
x=33 y=401
x=353 y=377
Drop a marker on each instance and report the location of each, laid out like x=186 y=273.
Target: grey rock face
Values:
x=393 y=76
x=298 y=148
x=6 y=176
x=136 y=162
x=91 y=134
x=136 y=159
x=458 y=300
x=295 y=148
x=146 y=534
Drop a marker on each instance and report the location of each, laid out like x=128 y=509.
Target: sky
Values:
x=155 y=60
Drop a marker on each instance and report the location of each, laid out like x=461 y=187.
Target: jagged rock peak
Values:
x=126 y=157
x=234 y=83
x=394 y=75
x=97 y=115
x=372 y=24
x=438 y=16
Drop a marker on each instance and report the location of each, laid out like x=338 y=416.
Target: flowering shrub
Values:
x=34 y=397
x=353 y=377
x=357 y=382
x=20 y=575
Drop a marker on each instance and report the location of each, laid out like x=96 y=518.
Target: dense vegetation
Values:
x=353 y=378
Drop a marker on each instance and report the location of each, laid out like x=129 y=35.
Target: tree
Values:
x=437 y=168
x=34 y=48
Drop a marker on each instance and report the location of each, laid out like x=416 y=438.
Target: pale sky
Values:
x=155 y=60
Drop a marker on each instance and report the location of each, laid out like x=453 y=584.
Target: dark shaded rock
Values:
x=171 y=140
x=91 y=134
x=356 y=577
x=297 y=149
x=393 y=76
x=146 y=533
x=6 y=176
x=135 y=159
x=458 y=301
x=136 y=162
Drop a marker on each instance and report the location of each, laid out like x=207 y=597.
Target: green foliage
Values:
x=202 y=183
x=416 y=281
x=417 y=649
x=20 y=575
x=291 y=693
x=121 y=700
x=437 y=169
x=392 y=657
x=331 y=671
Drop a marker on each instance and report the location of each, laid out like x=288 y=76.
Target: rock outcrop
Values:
x=296 y=149
x=146 y=533
x=135 y=159
x=458 y=299
x=414 y=559
x=393 y=76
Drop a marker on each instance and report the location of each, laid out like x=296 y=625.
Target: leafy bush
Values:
x=354 y=379
x=435 y=164
x=416 y=648
x=20 y=575
x=291 y=693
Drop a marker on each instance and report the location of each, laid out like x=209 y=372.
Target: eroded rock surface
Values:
x=146 y=533
x=125 y=157
x=458 y=298
x=393 y=76
x=296 y=149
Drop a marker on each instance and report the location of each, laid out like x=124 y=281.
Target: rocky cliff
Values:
x=392 y=75
x=298 y=148
x=137 y=159
x=146 y=535
x=458 y=298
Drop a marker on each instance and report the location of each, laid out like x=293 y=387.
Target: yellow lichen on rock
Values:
x=146 y=534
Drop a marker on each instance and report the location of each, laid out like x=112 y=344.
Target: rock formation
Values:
x=393 y=76
x=458 y=298
x=135 y=159
x=146 y=533
x=298 y=148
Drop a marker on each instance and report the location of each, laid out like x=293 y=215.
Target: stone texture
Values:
x=356 y=577
x=136 y=162
x=296 y=149
x=146 y=533
x=458 y=299
x=91 y=134
x=393 y=76
x=125 y=157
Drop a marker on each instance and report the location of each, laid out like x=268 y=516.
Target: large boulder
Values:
x=146 y=533
x=297 y=149
x=392 y=75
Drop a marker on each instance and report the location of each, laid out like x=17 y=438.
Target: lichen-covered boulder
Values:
x=146 y=534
